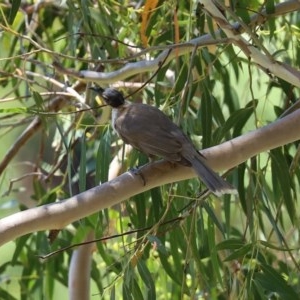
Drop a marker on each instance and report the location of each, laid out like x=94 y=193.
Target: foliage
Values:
x=244 y=247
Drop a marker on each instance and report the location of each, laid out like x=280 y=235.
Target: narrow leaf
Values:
x=15 y=4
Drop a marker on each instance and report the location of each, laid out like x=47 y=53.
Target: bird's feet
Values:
x=137 y=171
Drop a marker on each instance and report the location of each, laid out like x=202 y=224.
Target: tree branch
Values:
x=233 y=31
x=221 y=157
x=262 y=58
x=279 y=69
x=80 y=270
x=55 y=105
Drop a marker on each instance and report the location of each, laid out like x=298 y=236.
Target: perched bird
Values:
x=149 y=130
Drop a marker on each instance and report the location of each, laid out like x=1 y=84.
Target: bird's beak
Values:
x=99 y=90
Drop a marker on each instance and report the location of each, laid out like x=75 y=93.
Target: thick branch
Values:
x=224 y=156
x=80 y=270
x=233 y=32
x=261 y=58
x=281 y=70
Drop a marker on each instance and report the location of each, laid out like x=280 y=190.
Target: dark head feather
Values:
x=111 y=96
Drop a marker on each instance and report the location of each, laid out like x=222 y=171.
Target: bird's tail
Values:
x=211 y=179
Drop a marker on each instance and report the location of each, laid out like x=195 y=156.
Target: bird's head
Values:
x=112 y=97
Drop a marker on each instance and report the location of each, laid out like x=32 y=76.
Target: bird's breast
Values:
x=114 y=117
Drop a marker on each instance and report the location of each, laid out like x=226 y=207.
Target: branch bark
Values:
x=233 y=32
x=255 y=51
x=221 y=157
x=281 y=70
x=80 y=270
x=55 y=105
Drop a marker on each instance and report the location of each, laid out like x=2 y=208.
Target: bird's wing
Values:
x=152 y=132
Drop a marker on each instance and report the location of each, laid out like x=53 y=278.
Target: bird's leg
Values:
x=137 y=170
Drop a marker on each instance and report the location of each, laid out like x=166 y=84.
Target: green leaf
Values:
x=131 y=289
x=103 y=158
x=281 y=178
x=272 y=281
x=238 y=119
x=181 y=79
x=82 y=165
x=230 y=244
x=126 y=292
x=240 y=253
x=242 y=12
x=141 y=211
x=14 y=110
x=38 y=101
x=271 y=246
x=213 y=217
x=147 y=279
x=15 y=4
x=169 y=269
x=213 y=253
x=20 y=246
x=206 y=115
x=270 y=7
x=6 y=295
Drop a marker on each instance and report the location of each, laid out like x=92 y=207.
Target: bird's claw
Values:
x=137 y=171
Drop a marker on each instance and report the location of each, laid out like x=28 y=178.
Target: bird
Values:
x=150 y=131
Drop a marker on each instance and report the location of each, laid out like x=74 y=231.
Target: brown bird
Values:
x=149 y=130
